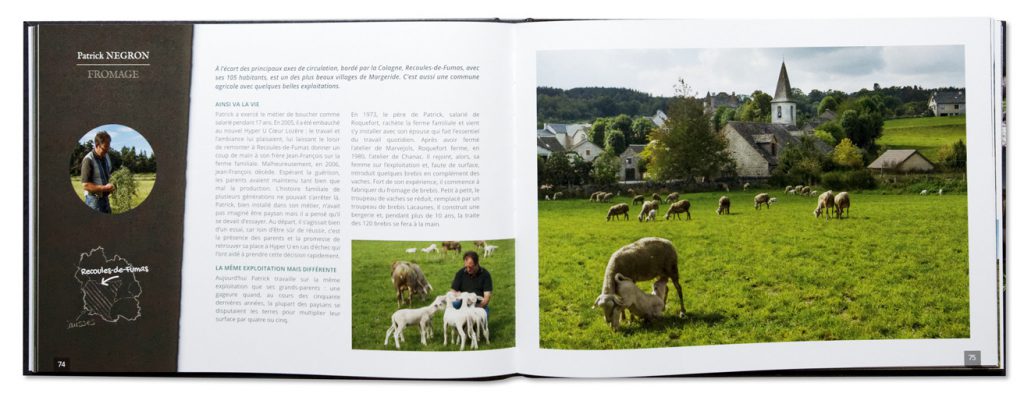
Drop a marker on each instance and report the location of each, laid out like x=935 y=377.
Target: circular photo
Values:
x=113 y=169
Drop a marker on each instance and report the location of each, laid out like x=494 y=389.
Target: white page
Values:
x=974 y=35
x=322 y=344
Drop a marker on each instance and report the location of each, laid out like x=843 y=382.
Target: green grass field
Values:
x=373 y=295
x=925 y=134
x=146 y=183
x=897 y=269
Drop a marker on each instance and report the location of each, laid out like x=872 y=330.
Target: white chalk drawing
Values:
x=110 y=290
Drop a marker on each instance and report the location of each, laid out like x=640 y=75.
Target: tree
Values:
x=558 y=168
x=641 y=128
x=801 y=163
x=953 y=156
x=623 y=123
x=722 y=117
x=831 y=132
x=615 y=142
x=847 y=155
x=758 y=108
x=863 y=127
x=597 y=132
x=828 y=103
x=606 y=169
x=688 y=146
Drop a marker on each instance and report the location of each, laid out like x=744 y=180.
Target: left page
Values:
x=326 y=161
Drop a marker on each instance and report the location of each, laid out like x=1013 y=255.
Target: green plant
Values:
x=125 y=188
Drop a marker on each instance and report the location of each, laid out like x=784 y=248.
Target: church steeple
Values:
x=783 y=92
x=783 y=104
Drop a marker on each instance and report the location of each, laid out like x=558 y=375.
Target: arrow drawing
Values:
x=105 y=280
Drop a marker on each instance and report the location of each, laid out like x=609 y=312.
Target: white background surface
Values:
x=17 y=388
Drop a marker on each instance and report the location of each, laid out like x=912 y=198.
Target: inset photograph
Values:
x=433 y=295
x=112 y=169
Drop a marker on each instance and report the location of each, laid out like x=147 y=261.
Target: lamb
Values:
x=826 y=204
x=791 y=191
x=557 y=195
x=547 y=197
x=771 y=201
x=656 y=197
x=638 y=200
x=594 y=196
x=652 y=215
x=451 y=246
x=763 y=199
x=788 y=188
x=408 y=276
x=940 y=191
x=640 y=304
x=480 y=243
x=606 y=196
x=411 y=250
x=646 y=210
x=924 y=192
x=456 y=318
x=489 y=250
x=672 y=197
x=406 y=317
x=842 y=201
x=616 y=210
x=478 y=318
x=806 y=191
x=675 y=209
x=723 y=205
x=746 y=186
x=645 y=259
x=430 y=249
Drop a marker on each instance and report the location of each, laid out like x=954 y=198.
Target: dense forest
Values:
x=589 y=103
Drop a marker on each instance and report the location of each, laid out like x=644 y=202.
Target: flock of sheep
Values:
x=467 y=321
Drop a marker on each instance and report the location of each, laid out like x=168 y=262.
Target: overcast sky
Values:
x=654 y=71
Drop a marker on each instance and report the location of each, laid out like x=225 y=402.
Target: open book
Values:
x=458 y=199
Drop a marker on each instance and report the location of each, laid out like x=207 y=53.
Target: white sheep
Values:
x=842 y=201
x=557 y=195
x=940 y=191
x=478 y=318
x=924 y=192
x=617 y=210
x=678 y=208
x=406 y=317
x=489 y=250
x=763 y=199
x=430 y=249
x=411 y=250
x=638 y=303
x=826 y=204
x=456 y=318
x=723 y=205
x=746 y=186
x=653 y=214
x=645 y=211
x=645 y=259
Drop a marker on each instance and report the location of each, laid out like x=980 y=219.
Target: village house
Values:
x=630 y=159
x=713 y=102
x=559 y=137
x=948 y=103
x=901 y=160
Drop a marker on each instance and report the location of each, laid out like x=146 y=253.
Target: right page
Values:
x=728 y=196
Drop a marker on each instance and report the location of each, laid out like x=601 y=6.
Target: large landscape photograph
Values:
x=725 y=196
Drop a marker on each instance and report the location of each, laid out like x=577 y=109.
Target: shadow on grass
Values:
x=673 y=322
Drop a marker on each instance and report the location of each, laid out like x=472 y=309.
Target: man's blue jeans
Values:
x=98 y=204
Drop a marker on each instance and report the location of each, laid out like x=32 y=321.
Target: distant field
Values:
x=146 y=183
x=373 y=296
x=894 y=270
x=924 y=134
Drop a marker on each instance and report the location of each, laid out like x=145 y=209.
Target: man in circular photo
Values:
x=96 y=167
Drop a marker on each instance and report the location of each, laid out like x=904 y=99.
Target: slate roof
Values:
x=893 y=158
x=550 y=143
x=783 y=92
x=756 y=133
x=949 y=97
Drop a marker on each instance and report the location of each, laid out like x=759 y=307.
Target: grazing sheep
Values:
x=813 y=193
x=594 y=196
x=763 y=199
x=616 y=210
x=547 y=197
x=842 y=202
x=924 y=192
x=489 y=250
x=430 y=249
x=451 y=246
x=638 y=200
x=480 y=243
x=675 y=209
x=656 y=197
x=408 y=276
x=723 y=205
x=806 y=191
x=631 y=192
x=458 y=319
x=405 y=317
x=641 y=305
x=557 y=195
x=607 y=196
x=672 y=197
x=940 y=191
x=826 y=204
x=652 y=215
x=411 y=250
x=788 y=188
x=771 y=201
x=792 y=191
x=746 y=186
x=645 y=259
x=646 y=210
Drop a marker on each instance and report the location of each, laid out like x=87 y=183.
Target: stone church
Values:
x=756 y=146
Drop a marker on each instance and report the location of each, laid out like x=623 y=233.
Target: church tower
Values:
x=783 y=105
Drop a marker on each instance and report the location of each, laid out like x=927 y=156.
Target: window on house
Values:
x=792 y=111
x=778 y=111
x=629 y=160
x=956 y=106
x=587 y=152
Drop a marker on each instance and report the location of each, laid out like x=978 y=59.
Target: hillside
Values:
x=588 y=103
x=925 y=134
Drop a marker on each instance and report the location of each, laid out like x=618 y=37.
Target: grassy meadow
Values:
x=146 y=181
x=896 y=269
x=924 y=134
x=373 y=295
